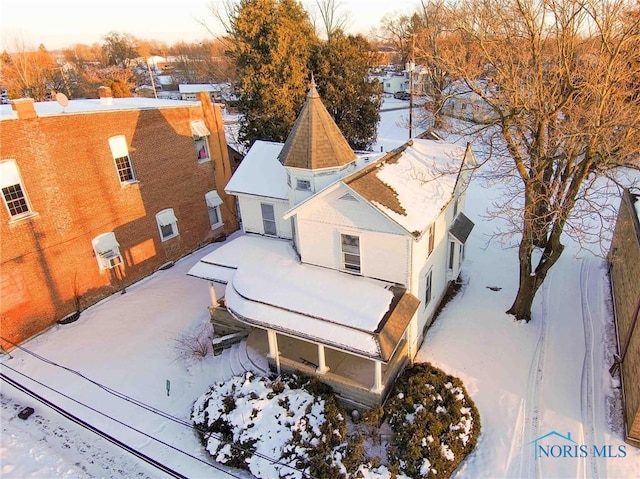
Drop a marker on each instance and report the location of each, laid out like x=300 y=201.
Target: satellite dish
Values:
x=62 y=100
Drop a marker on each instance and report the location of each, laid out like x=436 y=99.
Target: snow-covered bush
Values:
x=249 y=421
x=434 y=422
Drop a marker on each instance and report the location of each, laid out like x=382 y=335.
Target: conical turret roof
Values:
x=315 y=141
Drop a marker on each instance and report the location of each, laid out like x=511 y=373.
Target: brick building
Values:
x=624 y=268
x=100 y=193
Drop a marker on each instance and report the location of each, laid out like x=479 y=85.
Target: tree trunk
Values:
x=521 y=307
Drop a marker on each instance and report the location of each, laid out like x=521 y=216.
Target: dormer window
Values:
x=303 y=185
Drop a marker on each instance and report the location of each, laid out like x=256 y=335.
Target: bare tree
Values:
x=30 y=72
x=561 y=79
x=333 y=17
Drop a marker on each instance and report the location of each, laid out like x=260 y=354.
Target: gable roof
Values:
x=410 y=185
x=413 y=183
x=315 y=142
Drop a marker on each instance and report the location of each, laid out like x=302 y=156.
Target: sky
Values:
x=66 y=22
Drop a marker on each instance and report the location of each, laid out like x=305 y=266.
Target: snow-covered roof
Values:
x=260 y=173
x=271 y=288
x=52 y=108
x=412 y=184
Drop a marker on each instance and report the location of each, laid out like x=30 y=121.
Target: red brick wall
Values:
x=71 y=182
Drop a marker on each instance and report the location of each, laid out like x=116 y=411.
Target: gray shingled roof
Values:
x=461 y=228
x=315 y=141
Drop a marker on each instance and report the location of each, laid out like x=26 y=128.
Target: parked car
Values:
x=402 y=95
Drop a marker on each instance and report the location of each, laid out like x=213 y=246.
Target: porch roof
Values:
x=268 y=287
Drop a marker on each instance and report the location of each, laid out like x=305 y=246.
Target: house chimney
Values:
x=24 y=108
x=106 y=97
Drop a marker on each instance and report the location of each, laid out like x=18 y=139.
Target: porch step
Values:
x=234 y=360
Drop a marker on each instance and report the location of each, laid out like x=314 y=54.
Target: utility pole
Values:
x=412 y=66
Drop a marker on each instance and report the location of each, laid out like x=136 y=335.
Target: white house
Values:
x=344 y=257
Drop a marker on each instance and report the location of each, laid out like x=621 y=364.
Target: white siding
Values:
x=384 y=247
x=251 y=215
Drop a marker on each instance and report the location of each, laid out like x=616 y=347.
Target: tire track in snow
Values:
x=587 y=394
x=528 y=464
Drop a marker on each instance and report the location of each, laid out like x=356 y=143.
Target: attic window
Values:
x=348 y=197
x=303 y=185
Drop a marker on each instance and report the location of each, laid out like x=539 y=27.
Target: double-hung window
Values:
x=13 y=192
x=427 y=288
x=268 y=219
x=120 y=152
x=350 y=245
x=167 y=224
x=213 y=206
x=200 y=134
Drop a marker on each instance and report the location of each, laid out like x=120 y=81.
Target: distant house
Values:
x=624 y=270
x=98 y=194
x=394 y=82
x=465 y=104
x=216 y=91
x=344 y=257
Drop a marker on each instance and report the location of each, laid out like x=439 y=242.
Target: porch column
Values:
x=214 y=296
x=377 y=381
x=322 y=365
x=273 y=348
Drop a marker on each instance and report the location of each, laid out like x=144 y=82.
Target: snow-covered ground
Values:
x=526 y=379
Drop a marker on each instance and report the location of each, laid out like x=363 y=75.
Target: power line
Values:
x=94 y=429
x=149 y=408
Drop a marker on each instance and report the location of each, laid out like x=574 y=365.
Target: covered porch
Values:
x=349 y=331
x=357 y=380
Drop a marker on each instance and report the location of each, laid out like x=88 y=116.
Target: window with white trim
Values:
x=303 y=185
x=120 y=153
x=427 y=287
x=213 y=206
x=268 y=219
x=200 y=134
x=13 y=192
x=107 y=251
x=350 y=247
x=167 y=224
